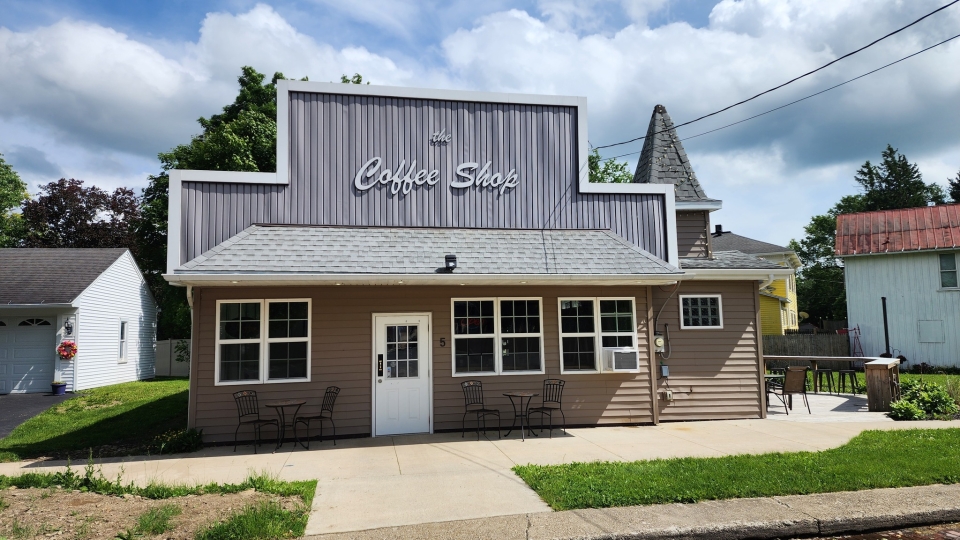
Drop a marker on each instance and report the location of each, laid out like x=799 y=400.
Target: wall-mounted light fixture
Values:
x=68 y=326
x=450 y=262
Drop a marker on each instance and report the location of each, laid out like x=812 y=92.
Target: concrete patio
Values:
x=443 y=477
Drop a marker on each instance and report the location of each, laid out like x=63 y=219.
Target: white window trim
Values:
x=497 y=338
x=597 y=332
x=264 y=341
x=956 y=265
x=719 y=298
x=122 y=341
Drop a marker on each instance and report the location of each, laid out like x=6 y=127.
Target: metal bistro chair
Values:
x=794 y=382
x=248 y=410
x=473 y=404
x=326 y=413
x=552 y=394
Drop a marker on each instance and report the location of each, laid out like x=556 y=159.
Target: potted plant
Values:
x=58 y=388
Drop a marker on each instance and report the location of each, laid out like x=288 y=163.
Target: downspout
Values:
x=770 y=279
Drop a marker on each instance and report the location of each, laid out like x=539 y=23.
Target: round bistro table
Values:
x=523 y=411
x=280 y=405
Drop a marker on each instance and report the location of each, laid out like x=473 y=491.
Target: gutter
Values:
x=420 y=279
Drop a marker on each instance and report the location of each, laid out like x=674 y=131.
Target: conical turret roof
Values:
x=663 y=160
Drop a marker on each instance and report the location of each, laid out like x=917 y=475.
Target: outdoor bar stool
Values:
x=248 y=410
x=473 y=404
x=847 y=375
x=552 y=395
x=326 y=413
x=824 y=374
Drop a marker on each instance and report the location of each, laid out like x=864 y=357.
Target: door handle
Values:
x=379 y=381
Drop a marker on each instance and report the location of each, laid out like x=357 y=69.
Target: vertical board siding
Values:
x=119 y=293
x=714 y=373
x=332 y=136
x=911 y=284
x=341 y=355
x=693 y=239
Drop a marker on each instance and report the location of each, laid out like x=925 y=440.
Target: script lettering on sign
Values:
x=403 y=178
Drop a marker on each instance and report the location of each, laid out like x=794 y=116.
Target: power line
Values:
x=828 y=64
x=803 y=98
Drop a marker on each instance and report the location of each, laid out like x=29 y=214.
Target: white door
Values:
x=27 y=354
x=401 y=374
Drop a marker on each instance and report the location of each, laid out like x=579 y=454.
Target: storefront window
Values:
x=479 y=324
x=244 y=337
x=580 y=336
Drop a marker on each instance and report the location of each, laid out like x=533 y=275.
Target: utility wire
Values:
x=803 y=98
x=828 y=64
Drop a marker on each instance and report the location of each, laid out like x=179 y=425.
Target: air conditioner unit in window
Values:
x=622 y=359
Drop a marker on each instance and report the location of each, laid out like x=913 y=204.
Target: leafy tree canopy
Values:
x=13 y=192
x=66 y=214
x=610 y=171
x=955 y=188
x=894 y=183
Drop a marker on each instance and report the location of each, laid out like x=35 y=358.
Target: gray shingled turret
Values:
x=663 y=160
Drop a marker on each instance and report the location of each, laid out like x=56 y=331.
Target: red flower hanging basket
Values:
x=67 y=350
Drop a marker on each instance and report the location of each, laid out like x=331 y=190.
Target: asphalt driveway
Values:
x=16 y=409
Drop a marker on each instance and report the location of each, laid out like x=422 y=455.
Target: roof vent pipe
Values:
x=718 y=230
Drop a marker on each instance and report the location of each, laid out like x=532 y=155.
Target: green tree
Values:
x=894 y=183
x=243 y=137
x=610 y=171
x=13 y=193
x=955 y=188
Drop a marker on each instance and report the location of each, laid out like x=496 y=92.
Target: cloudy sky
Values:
x=95 y=89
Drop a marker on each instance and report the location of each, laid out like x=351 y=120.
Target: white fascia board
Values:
x=199 y=280
x=231 y=177
x=710 y=206
x=741 y=274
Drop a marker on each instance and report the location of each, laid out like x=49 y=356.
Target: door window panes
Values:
x=403 y=352
x=948 y=271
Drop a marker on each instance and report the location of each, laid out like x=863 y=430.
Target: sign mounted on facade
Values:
x=403 y=179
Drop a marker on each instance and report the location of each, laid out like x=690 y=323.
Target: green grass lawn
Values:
x=873 y=459
x=111 y=420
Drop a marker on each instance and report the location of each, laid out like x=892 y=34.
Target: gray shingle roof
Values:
x=265 y=249
x=51 y=275
x=729 y=260
x=663 y=160
x=728 y=241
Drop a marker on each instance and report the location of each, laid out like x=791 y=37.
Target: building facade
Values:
x=910 y=257
x=415 y=239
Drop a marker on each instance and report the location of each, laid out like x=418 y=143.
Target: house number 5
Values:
x=443 y=342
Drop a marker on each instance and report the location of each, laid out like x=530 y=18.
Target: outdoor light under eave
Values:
x=68 y=327
x=450 y=262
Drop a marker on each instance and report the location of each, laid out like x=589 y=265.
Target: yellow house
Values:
x=778 y=298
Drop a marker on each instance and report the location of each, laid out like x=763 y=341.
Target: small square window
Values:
x=948 y=271
x=701 y=312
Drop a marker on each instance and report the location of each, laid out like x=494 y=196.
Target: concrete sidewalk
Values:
x=773 y=517
x=394 y=481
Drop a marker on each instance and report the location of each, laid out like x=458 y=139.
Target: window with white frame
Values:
x=479 y=325
x=701 y=311
x=581 y=338
x=122 y=355
x=251 y=331
x=948 y=271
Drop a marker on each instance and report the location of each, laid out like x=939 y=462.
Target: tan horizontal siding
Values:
x=341 y=356
x=693 y=236
x=714 y=374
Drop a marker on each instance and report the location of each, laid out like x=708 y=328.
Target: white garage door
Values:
x=27 y=355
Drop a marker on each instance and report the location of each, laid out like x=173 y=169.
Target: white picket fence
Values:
x=167 y=365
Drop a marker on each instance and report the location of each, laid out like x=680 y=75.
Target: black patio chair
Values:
x=248 y=410
x=473 y=404
x=552 y=395
x=794 y=382
x=326 y=413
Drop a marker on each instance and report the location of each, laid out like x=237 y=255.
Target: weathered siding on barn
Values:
x=120 y=293
x=911 y=284
x=714 y=374
x=342 y=356
x=693 y=239
x=332 y=136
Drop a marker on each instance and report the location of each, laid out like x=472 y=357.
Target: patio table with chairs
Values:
x=823 y=376
x=551 y=402
x=248 y=411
